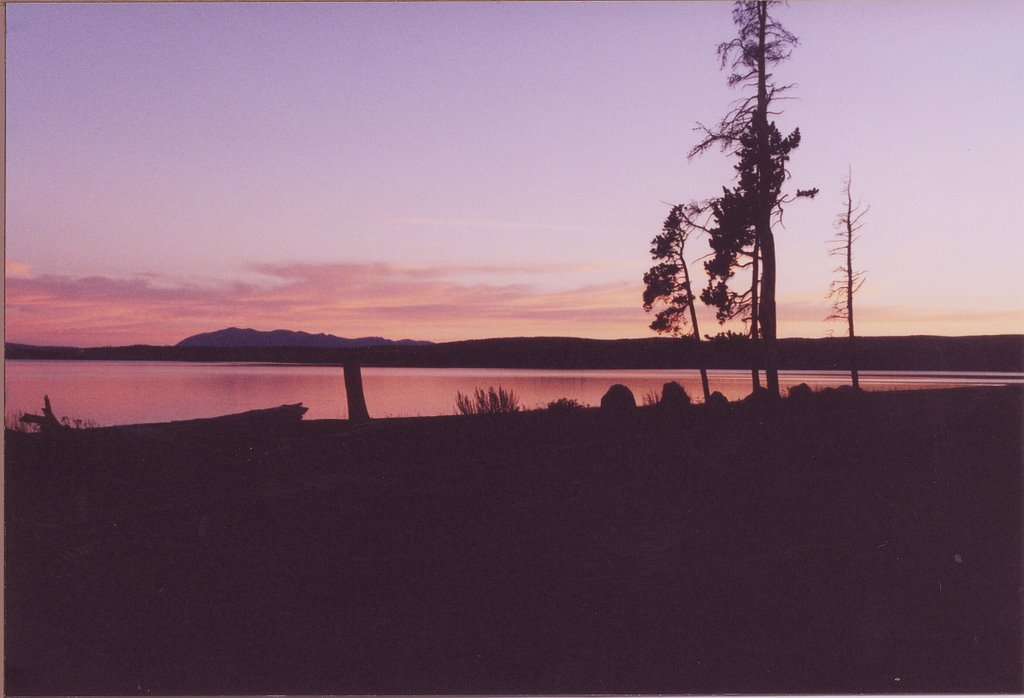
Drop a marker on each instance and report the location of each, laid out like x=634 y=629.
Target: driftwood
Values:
x=47 y=422
x=271 y=416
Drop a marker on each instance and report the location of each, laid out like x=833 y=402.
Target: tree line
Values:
x=739 y=223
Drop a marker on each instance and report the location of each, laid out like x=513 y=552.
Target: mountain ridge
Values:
x=235 y=337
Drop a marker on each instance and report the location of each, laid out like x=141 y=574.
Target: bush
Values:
x=490 y=402
x=565 y=404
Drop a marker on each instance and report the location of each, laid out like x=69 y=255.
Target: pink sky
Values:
x=450 y=171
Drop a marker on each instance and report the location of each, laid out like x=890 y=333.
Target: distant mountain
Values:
x=235 y=337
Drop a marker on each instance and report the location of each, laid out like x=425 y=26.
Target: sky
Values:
x=445 y=171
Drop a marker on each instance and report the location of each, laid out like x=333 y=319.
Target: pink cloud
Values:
x=16 y=270
x=344 y=299
x=418 y=302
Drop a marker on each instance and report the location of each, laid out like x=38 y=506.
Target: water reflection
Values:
x=126 y=392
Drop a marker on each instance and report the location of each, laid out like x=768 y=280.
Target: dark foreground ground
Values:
x=840 y=545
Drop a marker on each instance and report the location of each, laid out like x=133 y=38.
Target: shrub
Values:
x=77 y=423
x=565 y=404
x=490 y=402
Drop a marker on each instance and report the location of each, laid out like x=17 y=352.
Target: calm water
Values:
x=106 y=392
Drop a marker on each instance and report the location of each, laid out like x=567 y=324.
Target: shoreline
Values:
x=936 y=353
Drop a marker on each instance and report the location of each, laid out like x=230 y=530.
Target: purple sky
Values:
x=446 y=171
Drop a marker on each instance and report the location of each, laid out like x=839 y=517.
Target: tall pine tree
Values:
x=743 y=235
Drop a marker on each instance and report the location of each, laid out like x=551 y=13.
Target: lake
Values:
x=113 y=392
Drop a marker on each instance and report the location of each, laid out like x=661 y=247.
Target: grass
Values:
x=12 y=422
x=651 y=398
x=493 y=401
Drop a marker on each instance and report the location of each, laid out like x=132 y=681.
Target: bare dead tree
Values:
x=842 y=290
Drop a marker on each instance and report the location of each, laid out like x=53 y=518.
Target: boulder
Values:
x=673 y=396
x=759 y=396
x=619 y=398
x=717 y=401
x=800 y=392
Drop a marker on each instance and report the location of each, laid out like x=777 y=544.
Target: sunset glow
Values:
x=454 y=171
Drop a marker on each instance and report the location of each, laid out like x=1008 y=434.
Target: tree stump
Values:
x=357 y=413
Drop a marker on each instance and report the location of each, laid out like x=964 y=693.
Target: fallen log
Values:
x=270 y=416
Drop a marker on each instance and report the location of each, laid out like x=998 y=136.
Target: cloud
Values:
x=806 y=318
x=16 y=270
x=448 y=223
x=439 y=303
x=347 y=299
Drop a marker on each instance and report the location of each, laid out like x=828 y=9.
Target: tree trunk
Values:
x=854 y=377
x=696 y=329
x=768 y=326
x=765 y=204
x=357 y=413
x=755 y=326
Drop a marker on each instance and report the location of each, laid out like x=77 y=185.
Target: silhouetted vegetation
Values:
x=565 y=404
x=668 y=282
x=491 y=401
x=841 y=291
x=741 y=235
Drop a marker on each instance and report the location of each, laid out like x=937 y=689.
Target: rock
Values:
x=759 y=396
x=800 y=392
x=619 y=398
x=717 y=401
x=673 y=396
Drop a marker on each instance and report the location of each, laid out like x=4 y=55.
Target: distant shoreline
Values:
x=995 y=353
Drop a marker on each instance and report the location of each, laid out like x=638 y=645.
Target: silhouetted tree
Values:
x=842 y=289
x=668 y=282
x=763 y=152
